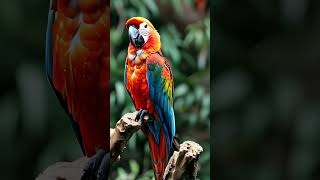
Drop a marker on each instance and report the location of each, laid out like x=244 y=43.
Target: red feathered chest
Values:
x=137 y=84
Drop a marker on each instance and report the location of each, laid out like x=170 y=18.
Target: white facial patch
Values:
x=144 y=31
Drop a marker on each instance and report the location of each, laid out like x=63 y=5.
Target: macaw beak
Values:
x=135 y=37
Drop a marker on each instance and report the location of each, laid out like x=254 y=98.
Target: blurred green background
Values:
x=184 y=27
x=266 y=108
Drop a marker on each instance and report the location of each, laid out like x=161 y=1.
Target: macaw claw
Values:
x=97 y=167
x=144 y=116
x=141 y=115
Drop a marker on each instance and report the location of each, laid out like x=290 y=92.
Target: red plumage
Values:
x=80 y=65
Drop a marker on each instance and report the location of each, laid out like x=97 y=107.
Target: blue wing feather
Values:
x=160 y=98
x=51 y=18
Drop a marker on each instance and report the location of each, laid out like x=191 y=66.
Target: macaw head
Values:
x=142 y=34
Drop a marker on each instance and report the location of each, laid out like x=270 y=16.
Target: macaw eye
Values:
x=145 y=26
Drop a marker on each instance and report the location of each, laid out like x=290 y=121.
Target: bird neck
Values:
x=137 y=57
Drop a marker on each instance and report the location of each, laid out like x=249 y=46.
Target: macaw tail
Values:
x=159 y=150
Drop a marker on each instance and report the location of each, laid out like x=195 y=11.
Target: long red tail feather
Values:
x=159 y=153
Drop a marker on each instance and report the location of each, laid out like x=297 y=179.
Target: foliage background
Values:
x=266 y=100
x=36 y=132
x=185 y=33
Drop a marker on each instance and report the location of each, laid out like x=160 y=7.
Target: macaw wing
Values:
x=51 y=18
x=49 y=67
x=160 y=85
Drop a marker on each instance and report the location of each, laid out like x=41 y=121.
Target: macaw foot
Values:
x=97 y=167
x=141 y=116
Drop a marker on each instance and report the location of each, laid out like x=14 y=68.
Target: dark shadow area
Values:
x=35 y=130
x=266 y=86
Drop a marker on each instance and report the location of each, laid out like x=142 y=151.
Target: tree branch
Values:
x=120 y=135
x=182 y=165
x=64 y=170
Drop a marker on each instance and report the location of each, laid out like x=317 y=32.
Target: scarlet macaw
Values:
x=77 y=56
x=149 y=81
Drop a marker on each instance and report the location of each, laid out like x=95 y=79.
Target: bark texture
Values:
x=182 y=165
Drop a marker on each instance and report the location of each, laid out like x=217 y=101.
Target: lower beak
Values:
x=135 y=37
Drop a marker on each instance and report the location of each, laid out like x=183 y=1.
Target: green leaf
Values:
x=190 y=99
x=179 y=104
x=149 y=174
x=120 y=92
x=122 y=174
x=181 y=90
x=112 y=98
x=199 y=92
x=115 y=39
x=193 y=119
x=117 y=4
x=152 y=6
x=142 y=11
x=177 y=6
x=133 y=141
x=134 y=166
x=122 y=58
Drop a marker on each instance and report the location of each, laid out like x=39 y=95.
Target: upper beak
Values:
x=135 y=37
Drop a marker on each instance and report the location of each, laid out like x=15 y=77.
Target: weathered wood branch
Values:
x=64 y=170
x=182 y=165
x=120 y=135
